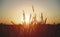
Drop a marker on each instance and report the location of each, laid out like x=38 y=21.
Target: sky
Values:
x=11 y=10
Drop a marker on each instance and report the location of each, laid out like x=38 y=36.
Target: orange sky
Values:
x=11 y=10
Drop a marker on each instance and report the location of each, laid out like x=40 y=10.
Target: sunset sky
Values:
x=12 y=10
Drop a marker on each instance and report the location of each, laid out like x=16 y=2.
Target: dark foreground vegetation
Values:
x=45 y=30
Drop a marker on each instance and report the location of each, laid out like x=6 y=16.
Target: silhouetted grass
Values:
x=39 y=30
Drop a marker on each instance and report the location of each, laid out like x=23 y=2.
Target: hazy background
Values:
x=11 y=10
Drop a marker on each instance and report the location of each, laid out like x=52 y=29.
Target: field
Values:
x=39 y=30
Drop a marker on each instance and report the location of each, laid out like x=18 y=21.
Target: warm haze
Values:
x=12 y=10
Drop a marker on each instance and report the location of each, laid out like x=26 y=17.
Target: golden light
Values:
x=27 y=16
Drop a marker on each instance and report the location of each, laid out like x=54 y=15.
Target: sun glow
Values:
x=27 y=18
